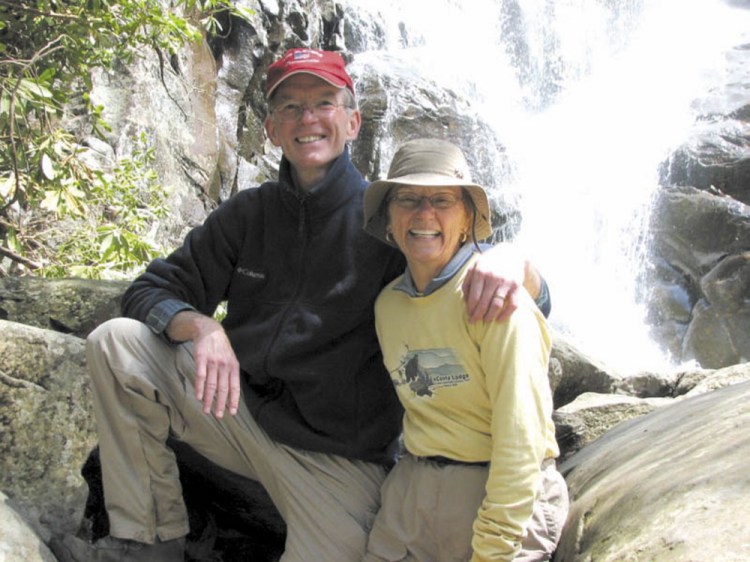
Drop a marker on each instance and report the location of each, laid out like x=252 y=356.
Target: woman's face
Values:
x=428 y=224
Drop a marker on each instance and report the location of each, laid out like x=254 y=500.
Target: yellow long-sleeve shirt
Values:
x=474 y=392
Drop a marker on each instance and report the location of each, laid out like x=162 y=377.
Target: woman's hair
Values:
x=472 y=208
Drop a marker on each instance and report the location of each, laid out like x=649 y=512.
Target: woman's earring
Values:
x=389 y=236
x=464 y=237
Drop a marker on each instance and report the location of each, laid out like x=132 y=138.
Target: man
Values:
x=295 y=363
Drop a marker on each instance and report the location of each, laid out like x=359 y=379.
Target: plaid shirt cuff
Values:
x=161 y=315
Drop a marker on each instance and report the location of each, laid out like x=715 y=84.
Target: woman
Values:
x=478 y=479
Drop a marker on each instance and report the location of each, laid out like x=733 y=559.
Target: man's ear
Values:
x=270 y=127
x=354 y=125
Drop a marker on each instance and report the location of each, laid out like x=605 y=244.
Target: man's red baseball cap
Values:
x=328 y=65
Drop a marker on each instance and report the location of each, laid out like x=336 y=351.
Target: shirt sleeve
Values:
x=161 y=315
x=514 y=359
x=544 y=300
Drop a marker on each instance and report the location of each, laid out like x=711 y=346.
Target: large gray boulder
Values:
x=51 y=475
x=669 y=486
x=69 y=306
x=46 y=427
x=593 y=414
x=18 y=543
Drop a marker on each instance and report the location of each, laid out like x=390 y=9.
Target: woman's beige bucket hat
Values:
x=428 y=163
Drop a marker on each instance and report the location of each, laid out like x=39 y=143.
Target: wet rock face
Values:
x=698 y=290
x=715 y=157
x=701 y=229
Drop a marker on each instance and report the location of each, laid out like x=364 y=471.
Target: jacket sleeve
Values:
x=197 y=274
x=514 y=359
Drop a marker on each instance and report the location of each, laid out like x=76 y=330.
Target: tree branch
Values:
x=19 y=259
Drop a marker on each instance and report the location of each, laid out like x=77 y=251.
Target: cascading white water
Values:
x=588 y=97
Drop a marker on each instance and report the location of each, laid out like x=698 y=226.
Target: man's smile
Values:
x=309 y=139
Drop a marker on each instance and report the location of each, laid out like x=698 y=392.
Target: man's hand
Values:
x=217 y=371
x=492 y=283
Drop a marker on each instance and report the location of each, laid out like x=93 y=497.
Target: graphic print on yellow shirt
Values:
x=428 y=369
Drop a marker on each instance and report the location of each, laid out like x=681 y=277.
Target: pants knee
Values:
x=111 y=330
x=114 y=343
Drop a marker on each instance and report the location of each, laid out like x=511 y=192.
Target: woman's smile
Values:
x=428 y=225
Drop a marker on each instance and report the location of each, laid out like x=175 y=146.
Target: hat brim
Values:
x=327 y=76
x=376 y=215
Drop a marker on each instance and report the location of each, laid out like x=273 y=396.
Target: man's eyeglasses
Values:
x=287 y=112
x=411 y=201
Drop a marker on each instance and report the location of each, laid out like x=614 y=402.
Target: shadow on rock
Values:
x=232 y=518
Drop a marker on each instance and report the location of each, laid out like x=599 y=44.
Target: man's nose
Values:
x=308 y=112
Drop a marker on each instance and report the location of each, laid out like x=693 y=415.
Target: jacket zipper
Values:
x=302 y=239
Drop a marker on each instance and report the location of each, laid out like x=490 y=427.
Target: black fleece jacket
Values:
x=300 y=277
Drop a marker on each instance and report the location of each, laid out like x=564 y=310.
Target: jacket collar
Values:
x=341 y=182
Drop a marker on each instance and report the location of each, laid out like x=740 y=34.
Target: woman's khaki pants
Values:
x=143 y=393
x=428 y=512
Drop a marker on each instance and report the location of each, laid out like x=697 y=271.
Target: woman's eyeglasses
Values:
x=410 y=201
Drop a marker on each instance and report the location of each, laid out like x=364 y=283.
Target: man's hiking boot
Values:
x=109 y=549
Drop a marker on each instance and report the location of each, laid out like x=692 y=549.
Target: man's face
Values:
x=314 y=139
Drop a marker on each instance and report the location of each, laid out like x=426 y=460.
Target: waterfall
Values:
x=588 y=97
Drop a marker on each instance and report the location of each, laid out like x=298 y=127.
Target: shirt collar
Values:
x=406 y=283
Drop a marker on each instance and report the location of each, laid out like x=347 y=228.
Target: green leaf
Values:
x=33 y=89
x=48 y=167
x=48 y=57
x=243 y=13
x=4 y=103
x=7 y=185
x=51 y=201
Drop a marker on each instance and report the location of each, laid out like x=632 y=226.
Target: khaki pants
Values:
x=143 y=393
x=428 y=512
